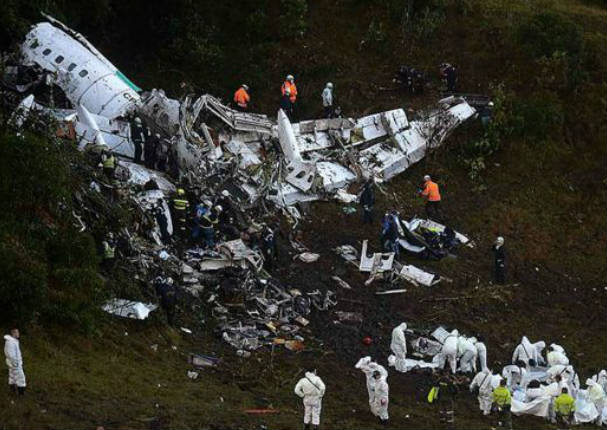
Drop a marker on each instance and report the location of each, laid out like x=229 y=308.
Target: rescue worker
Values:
x=109 y=252
x=499 y=254
x=449 y=75
x=268 y=246
x=524 y=351
x=466 y=351
x=14 y=362
x=485 y=113
x=432 y=195
x=596 y=395
x=483 y=382
x=199 y=211
x=369 y=367
x=289 y=84
x=285 y=104
x=501 y=403
x=367 y=201
x=539 y=348
x=557 y=355
x=380 y=397
x=208 y=223
x=601 y=379
x=138 y=138
x=242 y=98
x=180 y=207
x=449 y=351
x=162 y=153
x=311 y=390
x=166 y=290
x=447 y=390
x=161 y=219
x=481 y=352
x=327 y=100
x=515 y=375
x=108 y=160
x=564 y=406
x=398 y=345
x=149 y=150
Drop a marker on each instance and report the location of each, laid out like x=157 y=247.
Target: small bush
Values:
x=293 y=22
x=543 y=34
x=541 y=116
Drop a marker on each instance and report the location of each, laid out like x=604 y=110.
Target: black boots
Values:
x=21 y=391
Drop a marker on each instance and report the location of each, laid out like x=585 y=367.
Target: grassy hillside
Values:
x=542 y=187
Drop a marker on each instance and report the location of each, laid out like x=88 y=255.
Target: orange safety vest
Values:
x=241 y=97
x=431 y=191
x=292 y=87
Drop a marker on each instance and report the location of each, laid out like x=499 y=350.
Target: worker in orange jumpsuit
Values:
x=432 y=195
x=289 y=84
x=242 y=98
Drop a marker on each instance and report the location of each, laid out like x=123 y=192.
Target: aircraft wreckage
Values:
x=253 y=159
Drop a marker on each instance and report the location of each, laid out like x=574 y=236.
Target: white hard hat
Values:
x=138 y=120
x=207 y=203
x=218 y=208
x=499 y=240
x=157 y=135
x=329 y=85
x=427 y=177
x=290 y=77
x=490 y=104
x=245 y=86
x=225 y=193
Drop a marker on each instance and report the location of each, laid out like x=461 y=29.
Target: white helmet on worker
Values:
x=137 y=120
x=427 y=177
x=218 y=208
x=499 y=241
x=245 y=86
x=290 y=78
x=330 y=85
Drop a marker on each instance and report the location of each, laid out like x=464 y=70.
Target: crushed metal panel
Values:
x=128 y=308
x=382 y=161
x=439 y=228
x=161 y=111
x=440 y=334
x=22 y=111
x=418 y=276
x=301 y=174
x=383 y=261
x=334 y=175
x=140 y=175
x=93 y=82
x=148 y=199
x=246 y=157
x=114 y=133
x=287 y=195
x=286 y=137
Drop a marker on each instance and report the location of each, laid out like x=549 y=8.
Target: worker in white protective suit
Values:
x=557 y=355
x=466 y=351
x=399 y=347
x=524 y=351
x=539 y=348
x=483 y=381
x=569 y=378
x=481 y=353
x=601 y=379
x=369 y=367
x=515 y=375
x=311 y=389
x=380 y=397
x=14 y=361
x=596 y=395
x=449 y=351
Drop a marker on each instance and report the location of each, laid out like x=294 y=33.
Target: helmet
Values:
x=499 y=240
x=427 y=177
x=180 y=192
x=490 y=104
x=330 y=85
x=218 y=208
x=245 y=86
x=207 y=203
x=290 y=78
x=110 y=235
x=157 y=135
x=137 y=120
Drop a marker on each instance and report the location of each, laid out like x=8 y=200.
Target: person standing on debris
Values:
x=327 y=100
x=432 y=195
x=499 y=253
x=289 y=88
x=285 y=104
x=449 y=75
x=108 y=161
x=138 y=138
x=311 y=389
x=208 y=223
x=398 y=345
x=162 y=153
x=367 y=201
x=149 y=150
x=180 y=210
x=483 y=382
x=564 y=406
x=268 y=246
x=109 y=252
x=199 y=211
x=14 y=361
x=242 y=98
x=501 y=403
x=166 y=290
x=161 y=219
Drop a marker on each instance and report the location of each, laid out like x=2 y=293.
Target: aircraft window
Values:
x=83 y=73
x=59 y=59
x=46 y=51
x=71 y=67
x=34 y=45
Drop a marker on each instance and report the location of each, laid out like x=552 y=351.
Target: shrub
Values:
x=293 y=21
x=545 y=33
